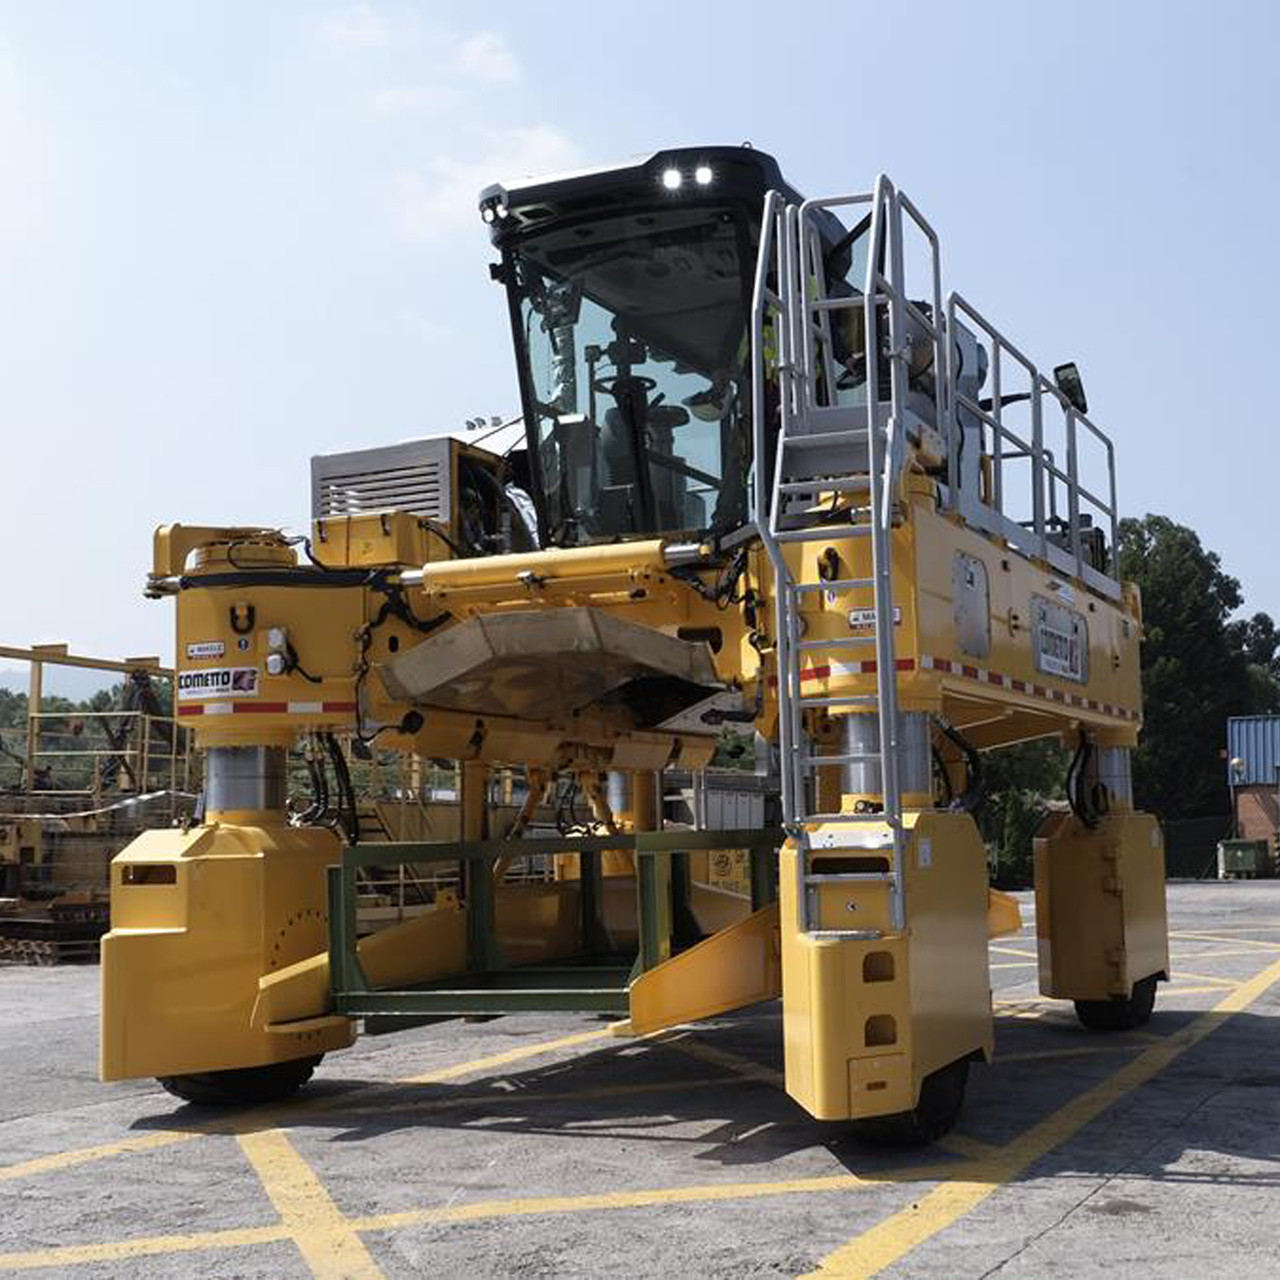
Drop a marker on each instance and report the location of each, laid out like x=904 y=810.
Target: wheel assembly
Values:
x=1123 y=1013
x=242 y=1086
x=941 y=1097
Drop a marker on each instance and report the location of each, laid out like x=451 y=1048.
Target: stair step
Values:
x=819 y=439
x=846 y=757
x=854 y=700
x=854 y=850
x=851 y=877
x=836 y=584
x=835 y=644
x=845 y=818
x=846 y=935
x=816 y=484
x=820 y=532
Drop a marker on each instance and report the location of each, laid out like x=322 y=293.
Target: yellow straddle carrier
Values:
x=763 y=480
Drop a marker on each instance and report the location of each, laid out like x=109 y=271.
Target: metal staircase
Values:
x=822 y=444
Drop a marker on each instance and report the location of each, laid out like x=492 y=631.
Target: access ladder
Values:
x=827 y=447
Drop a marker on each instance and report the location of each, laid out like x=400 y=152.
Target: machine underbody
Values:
x=759 y=485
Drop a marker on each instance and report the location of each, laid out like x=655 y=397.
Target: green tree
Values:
x=13 y=710
x=67 y=727
x=1198 y=667
x=1018 y=782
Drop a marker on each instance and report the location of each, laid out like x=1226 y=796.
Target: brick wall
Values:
x=1257 y=812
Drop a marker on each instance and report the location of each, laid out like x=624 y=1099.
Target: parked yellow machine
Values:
x=764 y=480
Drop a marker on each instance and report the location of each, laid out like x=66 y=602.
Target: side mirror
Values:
x=1068 y=380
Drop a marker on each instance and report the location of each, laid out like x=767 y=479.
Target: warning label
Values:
x=218 y=682
x=206 y=649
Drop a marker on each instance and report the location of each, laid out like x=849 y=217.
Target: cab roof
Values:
x=737 y=173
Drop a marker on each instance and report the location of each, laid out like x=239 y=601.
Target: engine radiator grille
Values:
x=414 y=476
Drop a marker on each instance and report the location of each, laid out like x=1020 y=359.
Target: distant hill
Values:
x=76 y=683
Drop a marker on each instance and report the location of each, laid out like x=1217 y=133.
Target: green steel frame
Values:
x=595 y=983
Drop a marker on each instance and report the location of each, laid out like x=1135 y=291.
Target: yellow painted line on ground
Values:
x=1149 y=1036
x=534 y=1098
x=282 y=1116
x=85 y=1155
x=961 y=1144
x=884 y=1244
x=1028 y=1006
x=1011 y=951
x=707 y=1193
x=1204 y=977
x=1253 y=926
x=273 y=1117
x=1217 y=937
x=1081 y=1052
x=511 y=1055
x=324 y=1236
x=1014 y=964
x=703 y=1194
x=70 y=1255
x=1216 y=954
x=746 y=1068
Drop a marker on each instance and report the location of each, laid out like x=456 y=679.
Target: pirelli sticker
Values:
x=218 y=682
x=1060 y=638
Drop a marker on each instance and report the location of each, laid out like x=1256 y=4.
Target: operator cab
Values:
x=630 y=296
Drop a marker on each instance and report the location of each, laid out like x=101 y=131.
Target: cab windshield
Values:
x=632 y=336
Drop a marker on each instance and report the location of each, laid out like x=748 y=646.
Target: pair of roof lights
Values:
x=673 y=179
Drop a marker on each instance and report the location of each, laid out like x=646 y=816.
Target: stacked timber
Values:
x=64 y=931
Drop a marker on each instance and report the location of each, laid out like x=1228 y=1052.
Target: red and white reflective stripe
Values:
x=268 y=708
x=865 y=668
x=984 y=676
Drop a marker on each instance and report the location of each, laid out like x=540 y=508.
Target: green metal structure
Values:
x=598 y=982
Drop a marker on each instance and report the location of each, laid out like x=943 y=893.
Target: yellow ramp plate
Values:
x=1004 y=916
x=738 y=966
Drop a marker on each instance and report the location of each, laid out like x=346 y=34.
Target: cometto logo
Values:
x=218 y=682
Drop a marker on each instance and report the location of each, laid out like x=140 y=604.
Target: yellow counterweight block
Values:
x=197 y=918
x=867 y=1019
x=1101 y=923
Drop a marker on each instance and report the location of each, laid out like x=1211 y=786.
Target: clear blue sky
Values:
x=236 y=234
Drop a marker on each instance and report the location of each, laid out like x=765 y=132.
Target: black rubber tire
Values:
x=1120 y=1014
x=242 y=1086
x=941 y=1098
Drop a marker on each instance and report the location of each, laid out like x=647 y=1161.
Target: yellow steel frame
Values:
x=866 y=1021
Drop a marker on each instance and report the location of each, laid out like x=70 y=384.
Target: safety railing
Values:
x=983 y=500
x=884 y=292
x=122 y=751
x=69 y=753
x=770 y=312
x=1054 y=517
